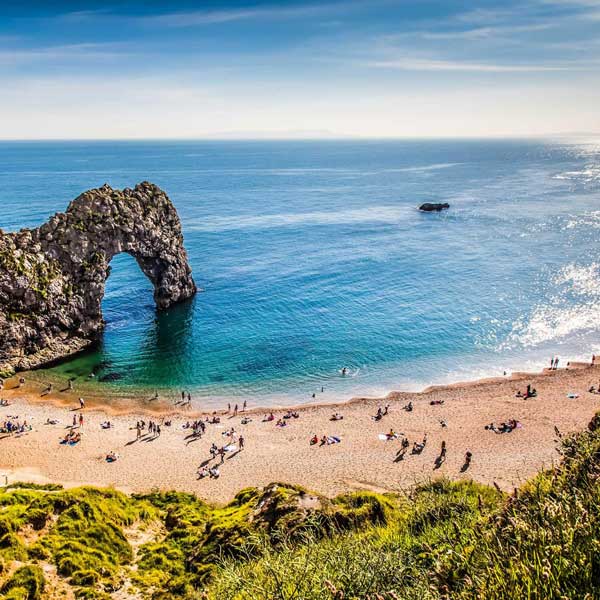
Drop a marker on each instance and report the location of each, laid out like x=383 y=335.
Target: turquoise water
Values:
x=312 y=256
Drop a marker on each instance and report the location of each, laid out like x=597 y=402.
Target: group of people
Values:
x=381 y=412
x=326 y=440
x=13 y=425
x=530 y=392
x=504 y=427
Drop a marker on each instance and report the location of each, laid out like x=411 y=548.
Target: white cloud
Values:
x=423 y=64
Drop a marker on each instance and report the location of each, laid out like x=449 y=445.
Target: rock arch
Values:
x=52 y=278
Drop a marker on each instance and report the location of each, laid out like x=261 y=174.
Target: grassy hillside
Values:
x=443 y=540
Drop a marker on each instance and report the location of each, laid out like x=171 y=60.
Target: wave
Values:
x=372 y=214
x=589 y=174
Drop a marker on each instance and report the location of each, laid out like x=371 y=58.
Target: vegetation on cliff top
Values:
x=443 y=540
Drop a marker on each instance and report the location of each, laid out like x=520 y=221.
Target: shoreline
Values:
x=113 y=401
x=360 y=461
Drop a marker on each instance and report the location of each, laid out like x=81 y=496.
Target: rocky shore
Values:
x=52 y=278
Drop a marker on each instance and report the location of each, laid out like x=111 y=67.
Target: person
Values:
x=322 y=389
x=244 y=407
x=80 y=420
x=228 y=407
x=235 y=410
x=189 y=397
x=222 y=454
x=111 y=457
x=443 y=450
x=314 y=395
x=241 y=442
x=70 y=385
x=213 y=450
x=138 y=429
x=336 y=417
x=409 y=407
x=468 y=457
x=593 y=359
x=214 y=472
x=314 y=439
x=391 y=435
x=21 y=381
x=344 y=371
x=203 y=472
x=158 y=430
x=81 y=403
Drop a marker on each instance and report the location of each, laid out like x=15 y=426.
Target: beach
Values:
x=361 y=460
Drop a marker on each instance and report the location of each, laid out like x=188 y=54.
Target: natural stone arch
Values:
x=52 y=278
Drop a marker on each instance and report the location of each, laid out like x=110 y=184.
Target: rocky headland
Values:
x=52 y=278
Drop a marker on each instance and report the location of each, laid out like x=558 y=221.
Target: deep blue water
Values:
x=312 y=256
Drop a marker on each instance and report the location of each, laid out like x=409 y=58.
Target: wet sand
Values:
x=360 y=461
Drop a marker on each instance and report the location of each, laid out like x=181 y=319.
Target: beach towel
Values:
x=572 y=396
x=333 y=439
x=230 y=448
x=386 y=438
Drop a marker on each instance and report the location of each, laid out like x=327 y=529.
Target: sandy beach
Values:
x=271 y=453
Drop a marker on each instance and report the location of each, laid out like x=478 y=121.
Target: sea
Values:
x=312 y=257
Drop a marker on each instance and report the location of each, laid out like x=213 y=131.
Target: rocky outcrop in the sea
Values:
x=52 y=278
x=434 y=206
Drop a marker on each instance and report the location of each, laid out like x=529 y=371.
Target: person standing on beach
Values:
x=81 y=403
x=235 y=410
x=241 y=441
x=189 y=397
x=80 y=420
x=244 y=408
x=228 y=407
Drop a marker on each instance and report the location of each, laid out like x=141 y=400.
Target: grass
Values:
x=443 y=540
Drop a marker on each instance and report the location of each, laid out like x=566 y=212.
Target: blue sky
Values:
x=369 y=68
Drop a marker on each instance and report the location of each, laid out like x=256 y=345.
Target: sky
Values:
x=299 y=69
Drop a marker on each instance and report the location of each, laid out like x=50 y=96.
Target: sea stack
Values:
x=52 y=278
x=434 y=206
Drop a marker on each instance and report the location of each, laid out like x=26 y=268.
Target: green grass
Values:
x=443 y=540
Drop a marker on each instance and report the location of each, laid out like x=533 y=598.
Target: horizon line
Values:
x=333 y=138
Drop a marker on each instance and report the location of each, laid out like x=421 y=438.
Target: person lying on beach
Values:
x=214 y=472
x=418 y=448
x=106 y=425
x=203 y=472
x=336 y=417
x=592 y=390
x=246 y=420
x=436 y=402
x=408 y=407
x=71 y=438
x=111 y=457
x=391 y=435
x=52 y=421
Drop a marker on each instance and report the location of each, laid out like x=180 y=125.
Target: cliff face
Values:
x=52 y=278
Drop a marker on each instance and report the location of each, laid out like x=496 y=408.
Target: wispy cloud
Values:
x=12 y=56
x=210 y=17
x=481 y=33
x=422 y=64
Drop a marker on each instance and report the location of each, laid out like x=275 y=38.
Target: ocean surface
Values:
x=312 y=256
